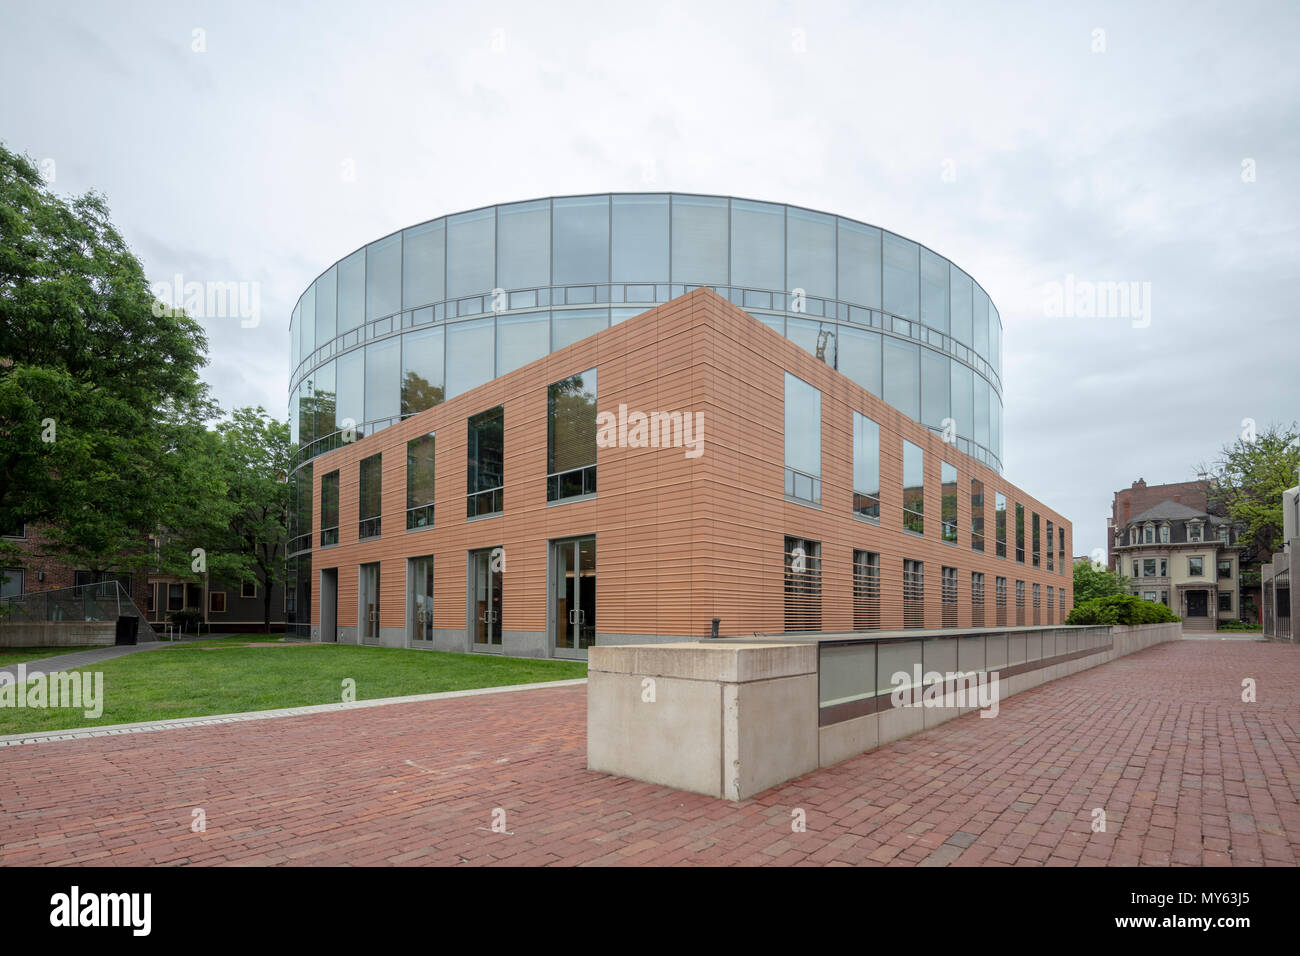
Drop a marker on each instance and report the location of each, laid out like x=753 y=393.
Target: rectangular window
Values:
x=1196 y=567
x=976 y=515
x=1036 y=542
x=949 y=595
x=1148 y=567
x=1149 y=596
x=1164 y=534
x=484 y=489
x=1000 y=523
x=329 y=509
x=913 y=488
x=1060 y=549
x=371 y=498
x=1148 y=535
x=1061 y=592
x=248 y=589
x=913 y=593
x=150 y=597
x=976 y=599
x=175 y=597
x=1225 y=601
x=1020 y=604
x=1001 y=585
x=1225 y=569
x=419 y=482
x=1164 y=567
x=571 y=436
x=803 y=440
x=12 y=582
x=948 y=502
x=866 y=590
x=1193 y=532
x=1051 y=564
x=217 y=602
x=1038 y=589
x=803 y=584
x=1020 y=533
x=866 y=467
x=1051 y=605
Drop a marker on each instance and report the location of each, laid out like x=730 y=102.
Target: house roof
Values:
x=1173 y=511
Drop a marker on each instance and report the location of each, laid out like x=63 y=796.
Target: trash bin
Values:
x=127 y=627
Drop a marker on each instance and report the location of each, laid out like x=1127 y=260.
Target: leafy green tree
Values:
x=1092 y=582
x=1247 y=482
x=100 y=394
x=255 y=457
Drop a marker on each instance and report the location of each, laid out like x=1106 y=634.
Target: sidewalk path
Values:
x=1185 y=772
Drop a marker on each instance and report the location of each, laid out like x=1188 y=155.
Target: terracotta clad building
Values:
x=654 y=459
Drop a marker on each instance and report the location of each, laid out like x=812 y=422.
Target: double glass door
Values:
x=485 y=586
x=419 y=599
x=368 y=604
x=573 y=602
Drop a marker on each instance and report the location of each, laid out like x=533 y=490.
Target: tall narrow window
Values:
x=948 y=502
x=1037 y=552
x=1000 y=523
x=1060 y=549
x=949 y=594
x=371 y=497
x=976 y=599
x=1001 y=585
x=1037 y=599
x=329 y=509
x=1050 y=539
x=1061 y=592
x=1020 y=533
x=803 y=440
x=866 y=590
x=419 y=482
x=571 y=436
x=913 y=593
x=1020 y=604
x=866 y=467
x=1051 y=605
x=485 y=494
x=976 y=515
x=913 y=488
x=803 y=584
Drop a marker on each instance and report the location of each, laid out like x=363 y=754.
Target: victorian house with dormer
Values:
x=1184 y=558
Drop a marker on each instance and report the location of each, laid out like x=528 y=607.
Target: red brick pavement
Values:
x=1187 y=774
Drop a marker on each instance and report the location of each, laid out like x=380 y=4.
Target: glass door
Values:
x=573 y=607
x=486 y=606
x=368 y=603
x=419 y=599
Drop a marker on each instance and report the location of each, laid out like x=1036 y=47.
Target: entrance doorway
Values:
x=1197 y=604
x=419 y=599
x=573 y=595
x=368 y=604
x=485 y=598
x=329 y=605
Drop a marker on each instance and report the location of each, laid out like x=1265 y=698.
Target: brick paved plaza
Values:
x=1186 y=773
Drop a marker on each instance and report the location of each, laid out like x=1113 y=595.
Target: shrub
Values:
x=1239 y=626
x=188 y=619
x=1121 y=609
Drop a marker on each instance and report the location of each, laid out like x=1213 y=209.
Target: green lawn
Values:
x=17 y=655
x=219 y=677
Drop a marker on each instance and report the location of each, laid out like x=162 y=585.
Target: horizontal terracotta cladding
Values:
x=680 y=540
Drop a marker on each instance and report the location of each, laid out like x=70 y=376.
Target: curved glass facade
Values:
x=436 y=309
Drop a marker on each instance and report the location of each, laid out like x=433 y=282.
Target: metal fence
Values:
x=101 y=601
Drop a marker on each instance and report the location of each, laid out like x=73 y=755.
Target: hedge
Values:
x=1121 y=609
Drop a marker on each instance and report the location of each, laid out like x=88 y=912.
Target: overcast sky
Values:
x=1026 y=142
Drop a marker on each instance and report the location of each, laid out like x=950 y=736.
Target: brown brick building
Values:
x=809 y=503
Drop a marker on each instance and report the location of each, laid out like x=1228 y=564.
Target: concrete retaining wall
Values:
x=57 y=633
x=733 y=719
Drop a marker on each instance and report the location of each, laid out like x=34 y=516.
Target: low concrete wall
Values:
x=725 y=720
x=733 y=719
x=57 y=633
